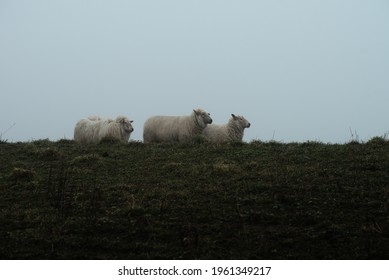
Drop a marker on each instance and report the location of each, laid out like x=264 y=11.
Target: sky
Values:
x=303 y=70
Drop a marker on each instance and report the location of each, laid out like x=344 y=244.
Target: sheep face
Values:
x=126 y=125
x=241 y=121
x=202 y=117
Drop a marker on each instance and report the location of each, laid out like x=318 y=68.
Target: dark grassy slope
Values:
x=197 y=201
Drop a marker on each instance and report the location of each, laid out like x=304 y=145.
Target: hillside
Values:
x=60 y=200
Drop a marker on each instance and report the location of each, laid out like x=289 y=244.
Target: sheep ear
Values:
x=233 y=116
x=131 y=121
x=195 y=111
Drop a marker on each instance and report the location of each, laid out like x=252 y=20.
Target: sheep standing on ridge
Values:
x=94 y=129
x=232 y=131
x=175 y=128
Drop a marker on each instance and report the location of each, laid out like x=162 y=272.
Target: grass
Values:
x=262 y=200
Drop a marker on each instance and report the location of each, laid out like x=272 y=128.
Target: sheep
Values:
x=232 y=131
x=159 y=129
x=94 y=129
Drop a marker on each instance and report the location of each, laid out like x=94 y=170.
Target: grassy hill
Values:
x=60 y=200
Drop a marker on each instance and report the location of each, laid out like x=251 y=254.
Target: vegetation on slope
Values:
x=60 y=200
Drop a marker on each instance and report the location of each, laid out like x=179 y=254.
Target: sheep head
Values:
x=202 y=117
x=125 y=123
x=241 y=121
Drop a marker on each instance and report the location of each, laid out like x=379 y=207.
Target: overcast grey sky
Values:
x=297 y=70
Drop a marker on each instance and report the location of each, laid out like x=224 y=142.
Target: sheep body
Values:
x=94 y=129
x=231 y=131
x=160 y=129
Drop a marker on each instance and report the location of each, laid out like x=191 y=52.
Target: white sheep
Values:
x=231 y=131
x=175 y=128
x=94 y=129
